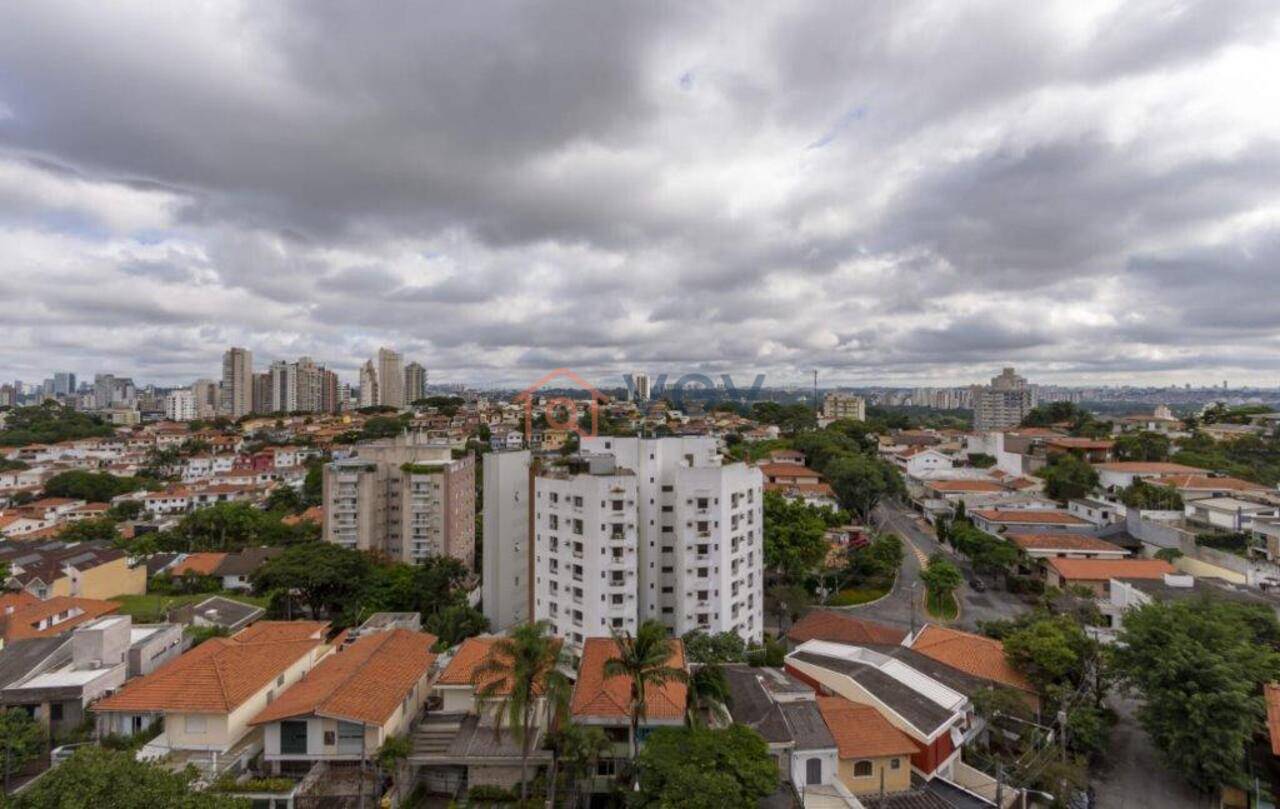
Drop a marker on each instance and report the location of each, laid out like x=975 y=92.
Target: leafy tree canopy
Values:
x=794 y=535
x=95 y=777
x=49 y=423
x=96 y=487
x=705 y=769
x=1067 y=477
x=720 y=647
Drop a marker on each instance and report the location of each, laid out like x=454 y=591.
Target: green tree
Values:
x=941 y=577
x=722 y=647
x=97 y=528
x=1199 y=667
x=789 y=600
x=1143 y=496
x=705 y=769
x=645 y=659
x=1049 y=649
x=709 y=694
x=512 y=676
x=794 y=536
x=1143 y=446
x=329 y=578
x=455 y=623
x=313 y=484
x=126 y=510
x=988 y=553
x=49 y=423
x=285 y=499
x=21 y=740
x=96 y=487
x=861 y=482
x=97 y=777
x=1067 y=477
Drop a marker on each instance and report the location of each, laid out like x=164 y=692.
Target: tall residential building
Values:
x=837 y=406
x=180 y=405
x=508 y=574
x=630 y=530
x=237 y=382
x=390 y=378
x=405 y=497
x=262 y=393
x=331 y=395
x=103 y=389
x=307 y=385
x=1004 y=403
x=641 y=387
x=207 y=398
x=284 y=387
x=368 y=384
x=415 y=383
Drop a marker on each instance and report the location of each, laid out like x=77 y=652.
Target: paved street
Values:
x=895 y=608
x=1136 y=778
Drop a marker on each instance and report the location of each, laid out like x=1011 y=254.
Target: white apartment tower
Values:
x=180 y=405
x=641 y=386
x=237 y=382
x=390 y=378
x=507 y=594
x=633 y=529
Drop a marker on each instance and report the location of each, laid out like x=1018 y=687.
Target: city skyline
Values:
x=1088 y=196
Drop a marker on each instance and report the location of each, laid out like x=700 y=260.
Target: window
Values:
x=895 y=763
x=330 y=738
x=193 y=723
x=55 y=712
x=350 y=737
x=862 y=769
x=293 y=738
x=813 y=771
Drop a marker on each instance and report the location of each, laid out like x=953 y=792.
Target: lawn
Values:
x=944 y=608
x=150 y=608
x=851 y=596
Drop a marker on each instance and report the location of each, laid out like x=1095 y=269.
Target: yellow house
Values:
x=873 y=753
x=352 y=702
x=209 y=695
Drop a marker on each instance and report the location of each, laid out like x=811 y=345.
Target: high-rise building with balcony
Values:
x=404 y=497
x=836 y=406
x=390 y=378
x=1004 y=403
x=415 y=382
x=630 y=530
x=237 y=382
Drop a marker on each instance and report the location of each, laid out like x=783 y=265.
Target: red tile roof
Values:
x=1028 y=516
x=861 y=731
x=1065 y=542
x=466 y=662
x=977 y=655
x=1147 y=468
x=217 y=676
x=965 y=486
x=840 y=628
x=25 y=618
x=201 y=564
x=1102 y=569
x=363 y=682
x=596 y=695
x=283 y=631
x=1206 y=483
x=787 y=470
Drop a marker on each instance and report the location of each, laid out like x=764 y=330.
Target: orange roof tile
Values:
x=10 y=601
x=1069 y=542
x=1147 y=468
x=973 y=654
x=1206 y=483
x=265 y=631
x=861 y=731
x=200 y=564
x=840 y=628
x=23 y=622
x=1028 y=516
x=314 y=514
x=363 y=682
x=596 y=695
x=965 y=486
x=787 y=470
x=1101 y=569
x=215 y=677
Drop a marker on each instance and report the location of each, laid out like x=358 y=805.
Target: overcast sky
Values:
x=909 y=192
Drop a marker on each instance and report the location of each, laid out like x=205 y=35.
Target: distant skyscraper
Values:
x=64 y=383
x=237 y=382
x=331 y=392
x=641 y=386
x=1003 y=403
x=415 y=383
x=368 y=385
x=207 y=398
x=103 y=385
x=262 y=392
x=390 y=378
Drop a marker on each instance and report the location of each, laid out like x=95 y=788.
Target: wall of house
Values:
x=799 y=774
x=459 y=699
x=898 y=780
x=505 y=777
x=214 y=735
x=111 y=579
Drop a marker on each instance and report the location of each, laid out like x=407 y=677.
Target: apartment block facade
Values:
x=636 y=529
x=1003 y=403
x=843 y=406
x=404 y=497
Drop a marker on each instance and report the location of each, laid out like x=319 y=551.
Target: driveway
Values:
x=1135 y=777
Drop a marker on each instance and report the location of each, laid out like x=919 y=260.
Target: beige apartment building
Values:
x=405 y=497
x=837 y=406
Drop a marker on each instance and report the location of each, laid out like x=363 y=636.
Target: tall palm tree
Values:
x=644 y=659
x=514 y=675
x=556 y=696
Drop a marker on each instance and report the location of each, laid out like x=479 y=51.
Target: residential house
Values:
x=236 y=569
x=218 y=611
x=1096 y=574
x=351 y=702
x=1094 y=451
x=841 y=627
x=22 y=618
x=874 y=755
x=1066 y=546
x=1122 y=474
x=208 y=696
x=1230 y=513
x=1000 y=521
x=93 y=570
x=1201 y=486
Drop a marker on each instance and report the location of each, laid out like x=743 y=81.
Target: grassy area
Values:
x=944 y=608
x=150 y=608
x=850 y=596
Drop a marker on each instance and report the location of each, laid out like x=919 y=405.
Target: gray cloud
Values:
x=914 y=191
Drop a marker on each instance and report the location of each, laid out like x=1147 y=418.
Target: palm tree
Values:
x=644 y=659
x=556 y=695
x=708 y=694
x=514 y=675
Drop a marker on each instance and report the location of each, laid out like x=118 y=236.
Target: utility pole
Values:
x=999 y=785
x=815 y=394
